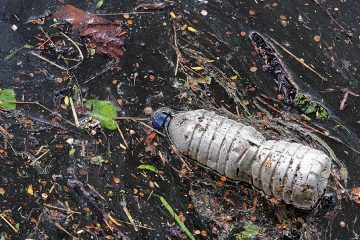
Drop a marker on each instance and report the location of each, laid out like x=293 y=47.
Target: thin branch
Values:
x=77 y=124
x=8 y=223
x=64 y=230
x=62 y=209
x=297 y=58
x=45 y=108
x=48 y=61
x=122 y=135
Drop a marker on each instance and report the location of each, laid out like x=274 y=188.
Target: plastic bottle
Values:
x=292 y=172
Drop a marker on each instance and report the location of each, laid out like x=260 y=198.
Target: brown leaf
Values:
x=356 y=194
x=251 y=12
x=253 y=69
x=282 y=17
x=317 y=38
x=106 y=37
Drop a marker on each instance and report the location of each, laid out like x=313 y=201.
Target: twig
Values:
x=132 y=118
x=176 y=151
x=81 y=56
x=145 y=125
x=122 y=135
x=297 y=58
x=140 y=226
x=8 y=223
x=64 y=230
x=48 y=61
x=109 y=66
x=45 y=108
x=62 y=209
x=77 y=124
x=282 y=113
x=176 y=50
x=94 y=190
x=39 y=157
x=121 y=13
x=345 y=98
x=130 y=218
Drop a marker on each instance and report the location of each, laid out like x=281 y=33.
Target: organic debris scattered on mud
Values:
x=105 y=37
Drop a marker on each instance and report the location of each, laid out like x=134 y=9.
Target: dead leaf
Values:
x=172 y=15
x=356 y=194
x=116 y=180
x=317 y=38
x=150 y=137
x=106 y=37
x=283 y=18
x=30 y=190
x=197 y=68
x=253 y=69
x=191 y=29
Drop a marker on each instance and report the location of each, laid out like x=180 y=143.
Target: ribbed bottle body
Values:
x=292 y=172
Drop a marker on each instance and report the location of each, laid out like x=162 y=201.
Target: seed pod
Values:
x=292 y=172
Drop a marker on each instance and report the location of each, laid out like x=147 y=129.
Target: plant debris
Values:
x=104 y=111
x=106 y=37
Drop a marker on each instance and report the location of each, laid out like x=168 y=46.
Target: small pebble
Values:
x=342 y=224
x=14 y=27
x=204 y=12
x=148 y=111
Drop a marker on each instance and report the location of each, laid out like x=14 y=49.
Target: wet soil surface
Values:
x=73 y=196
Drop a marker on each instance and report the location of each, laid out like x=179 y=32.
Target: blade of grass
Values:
x=176 y=217
x=148 y=167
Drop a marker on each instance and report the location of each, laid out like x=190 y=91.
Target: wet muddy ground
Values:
x=75 y=196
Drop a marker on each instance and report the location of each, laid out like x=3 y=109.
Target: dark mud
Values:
x=219 y=209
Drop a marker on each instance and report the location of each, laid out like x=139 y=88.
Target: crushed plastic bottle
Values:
x=292 y=172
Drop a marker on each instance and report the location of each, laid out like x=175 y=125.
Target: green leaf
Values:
x=6 y=97
x=301 y=102
x=186 y=84
x=312 y=108
x=104 y=111
x=99 y=4
x=250 y=231
x=176 y=217
x=17 y=226
x=27 y=46
x=72 y=152
x=97 y=160
x=148 y=167
x=322 y=114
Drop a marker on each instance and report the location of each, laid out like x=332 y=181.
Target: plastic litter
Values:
x=288 y=171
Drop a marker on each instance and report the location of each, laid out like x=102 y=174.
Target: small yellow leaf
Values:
x=114 y=220
x=30 y=190
x=172 y=14
x=198 y=68
x=66 y=100
x=191 y=29
x=233 y=77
